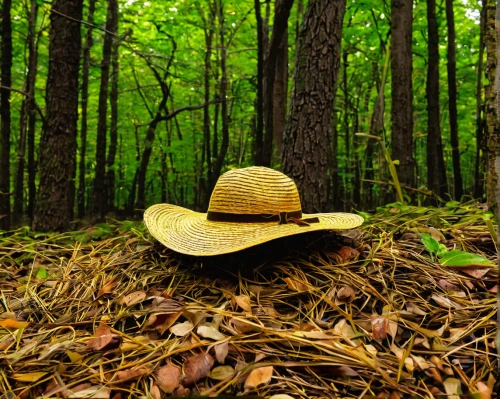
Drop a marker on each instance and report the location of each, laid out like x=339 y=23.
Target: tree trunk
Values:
x=259 y=133
x=480 y=142
x=100 y=169
x=223 y=92
x=6 y=78
x=492 y=114
x=85 y=95
x=305 y=144
x=58 y=142
x=113 y=130
x=452 y=101
x=436 y=172
x=27 y=109
x=402 y=93
x=281 y=14
x=281 y=92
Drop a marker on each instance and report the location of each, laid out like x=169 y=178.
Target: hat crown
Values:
x=254 y=190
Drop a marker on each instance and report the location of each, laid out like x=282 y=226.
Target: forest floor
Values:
x=106 y=312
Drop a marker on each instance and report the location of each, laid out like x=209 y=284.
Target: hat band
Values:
x=281 y=217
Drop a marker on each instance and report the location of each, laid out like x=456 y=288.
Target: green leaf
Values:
x=41 y=272
x=430 y=243
x=459 y=258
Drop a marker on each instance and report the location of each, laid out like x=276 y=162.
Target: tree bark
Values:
x=27 y=111
x=85 y=95
x=6 y=78
x=436 y=172
x=100 y=169
x=402 y=93
x=113 y=129
x=281 y=92
x=58 y=142
x=259 y=133
x=281 y=14
x=305 y=144
x=481 y=149
x=491 y=110
x=223 y=93
x=452 y=101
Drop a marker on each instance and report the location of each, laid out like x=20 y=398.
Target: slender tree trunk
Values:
x=347 y=137
x=436 y=172
x=85 y=95
x=113 y=136
x=402 y=93
x=452 y=101
x=27 y=108
x=223 y=92
x=259 y=133
x=58 y=142
x=305 y=145
x=281 y=14
x=100 y=169
x=281 y=92
x=6 y=78
x=491 y=110
x=480 y=144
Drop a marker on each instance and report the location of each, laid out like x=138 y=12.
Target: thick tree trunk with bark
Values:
x=281 y=14
x=85 y=95
x=100 y=169
x=6 y=78
x=27 y=108
x=491 y=110
x=452 y=101
x=281 y=92
x=58 y=142
x=436 y=172
x=402 y=93
x=305 y=144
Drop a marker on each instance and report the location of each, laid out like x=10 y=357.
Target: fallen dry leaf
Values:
x=132 y=298
x=11 y=324
x=107 y=287
x=452 y=388
x=103 y=339
x=259 y=376
x=28 y=377
x=347 y=253
x=243 y=302
x=162 y=321
x=210 y=332
x=296 y=285
x=380 y=327
x=197 y=367
x=182 y=329
x=168 y=377
x=94 y=392
x=477 y=272
x=127 y=375
x=484 y=390
x=155 y=392
x=221 y=351
x=222 y=372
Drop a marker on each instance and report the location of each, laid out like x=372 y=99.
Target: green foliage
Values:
x=459 y=258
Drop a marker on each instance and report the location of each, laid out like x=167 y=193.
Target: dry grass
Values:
x=119 y=316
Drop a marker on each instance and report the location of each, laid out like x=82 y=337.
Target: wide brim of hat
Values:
x=190 y=233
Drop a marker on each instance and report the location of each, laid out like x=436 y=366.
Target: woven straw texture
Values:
x=249 y=191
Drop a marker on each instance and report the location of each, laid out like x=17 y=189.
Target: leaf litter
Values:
x=371 y=314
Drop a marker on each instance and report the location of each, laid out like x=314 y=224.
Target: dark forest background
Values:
x=109 y=106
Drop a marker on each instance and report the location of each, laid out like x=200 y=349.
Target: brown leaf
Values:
x=127 y=375
x=344 y=371
x=132 y=298
x=222 y=372
x=380 y=326
x=221 y=351
x=182 y=329
x=11 y=324
x=259 y=376
x=243 y=302
x=347 y=253
x=103 y=339
x=447 y=286
x=296 y=285
x=484 y=390
x=475 y=271
x=162 y=321
x=494 y=289
x=243 y=327
x=210 y=332
x=107 y=287
x=168 y=377
x=197 y=367
x=155 y=392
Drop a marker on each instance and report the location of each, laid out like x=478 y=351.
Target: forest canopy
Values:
x=170 y=94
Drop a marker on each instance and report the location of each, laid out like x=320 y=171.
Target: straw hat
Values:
x=248 y=207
